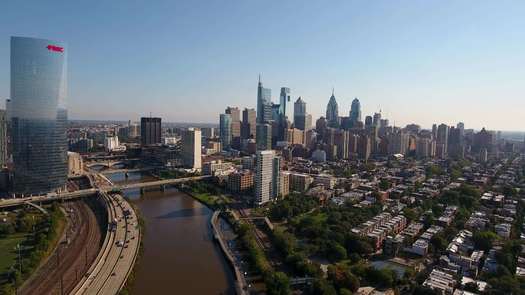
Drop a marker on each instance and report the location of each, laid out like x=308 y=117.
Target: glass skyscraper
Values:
x=264 y=103
x=225 y=130
x=38 y=115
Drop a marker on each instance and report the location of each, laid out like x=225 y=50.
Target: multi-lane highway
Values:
x=112 y=269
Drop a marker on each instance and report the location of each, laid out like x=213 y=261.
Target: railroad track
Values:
x=65 y=267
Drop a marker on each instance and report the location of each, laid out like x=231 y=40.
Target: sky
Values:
x=418 y=62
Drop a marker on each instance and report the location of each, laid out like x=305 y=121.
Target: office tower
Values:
x=263 y=176
x=133 y=130
x=455 y=147
x=191 y=148
x=307 y=122
x=225 y=127
x=377 y=119
x=300 y=114
x=368 y=121
x=434 y=131
x=276 y=113
x=383 y=123
x=295 y=136
x=483 y=140
x=264 y=137
x=264 y=103
x=355 y=111
x=37 y=114
x=442 y=138
x=150 y=131
x=285 y=104
x=3 y=139
x=235 y=114
x=332 y=112
x=208 y=132
x=248 y=127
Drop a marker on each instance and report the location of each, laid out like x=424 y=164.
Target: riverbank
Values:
x=240 y=283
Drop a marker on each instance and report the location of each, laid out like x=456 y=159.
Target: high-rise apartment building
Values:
x=225 y=127
x=191 y=148
x=150 y=131
x=263 y=176
x=38 y=115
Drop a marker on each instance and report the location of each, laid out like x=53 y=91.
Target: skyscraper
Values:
x=235 y=114
x=264 y=103
x=285 y=104
x=442 y=138
x=264 y=137
x=3 y=138
x=355 y=111
x=38 y=114
x=300 y=114
x=225 y=127
x=377 y=119
x=332 y=112
x=191 y=148
x=150 y=131
x=248 y=126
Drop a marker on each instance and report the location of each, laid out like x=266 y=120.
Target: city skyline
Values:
x=463 y=67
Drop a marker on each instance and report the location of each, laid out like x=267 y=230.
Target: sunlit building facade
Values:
x=38 y=115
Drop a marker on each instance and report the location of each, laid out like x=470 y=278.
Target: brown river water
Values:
x=180 y=255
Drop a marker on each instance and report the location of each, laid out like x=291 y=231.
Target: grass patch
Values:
x=9 y=252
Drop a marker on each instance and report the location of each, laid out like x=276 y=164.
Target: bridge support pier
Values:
x=142 y=191
x=162 y=188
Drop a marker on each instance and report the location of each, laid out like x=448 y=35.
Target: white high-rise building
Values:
x=263 y=176
x=191 y=148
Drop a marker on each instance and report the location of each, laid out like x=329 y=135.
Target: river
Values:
x=180 y=256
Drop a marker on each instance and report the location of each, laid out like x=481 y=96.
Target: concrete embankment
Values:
x=240 y=282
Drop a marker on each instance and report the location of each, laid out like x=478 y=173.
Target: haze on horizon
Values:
x=419 y=62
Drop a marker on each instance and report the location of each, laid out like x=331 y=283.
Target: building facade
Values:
x=150 y=131
x=38 y=115
x=191 y=148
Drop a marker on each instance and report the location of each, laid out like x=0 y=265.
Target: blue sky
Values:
x=419 y=61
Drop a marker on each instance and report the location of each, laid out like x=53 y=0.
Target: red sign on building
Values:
x=55 y=48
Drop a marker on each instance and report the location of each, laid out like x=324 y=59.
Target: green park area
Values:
x=37 y=234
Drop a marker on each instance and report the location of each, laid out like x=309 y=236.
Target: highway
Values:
x=113 y=269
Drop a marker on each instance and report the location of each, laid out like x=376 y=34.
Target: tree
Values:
x=343 y=278
x=483 y=240
x=384 y=184
x=277 y=283
x=322 y=287
x=336 y=252
x=439 y=243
